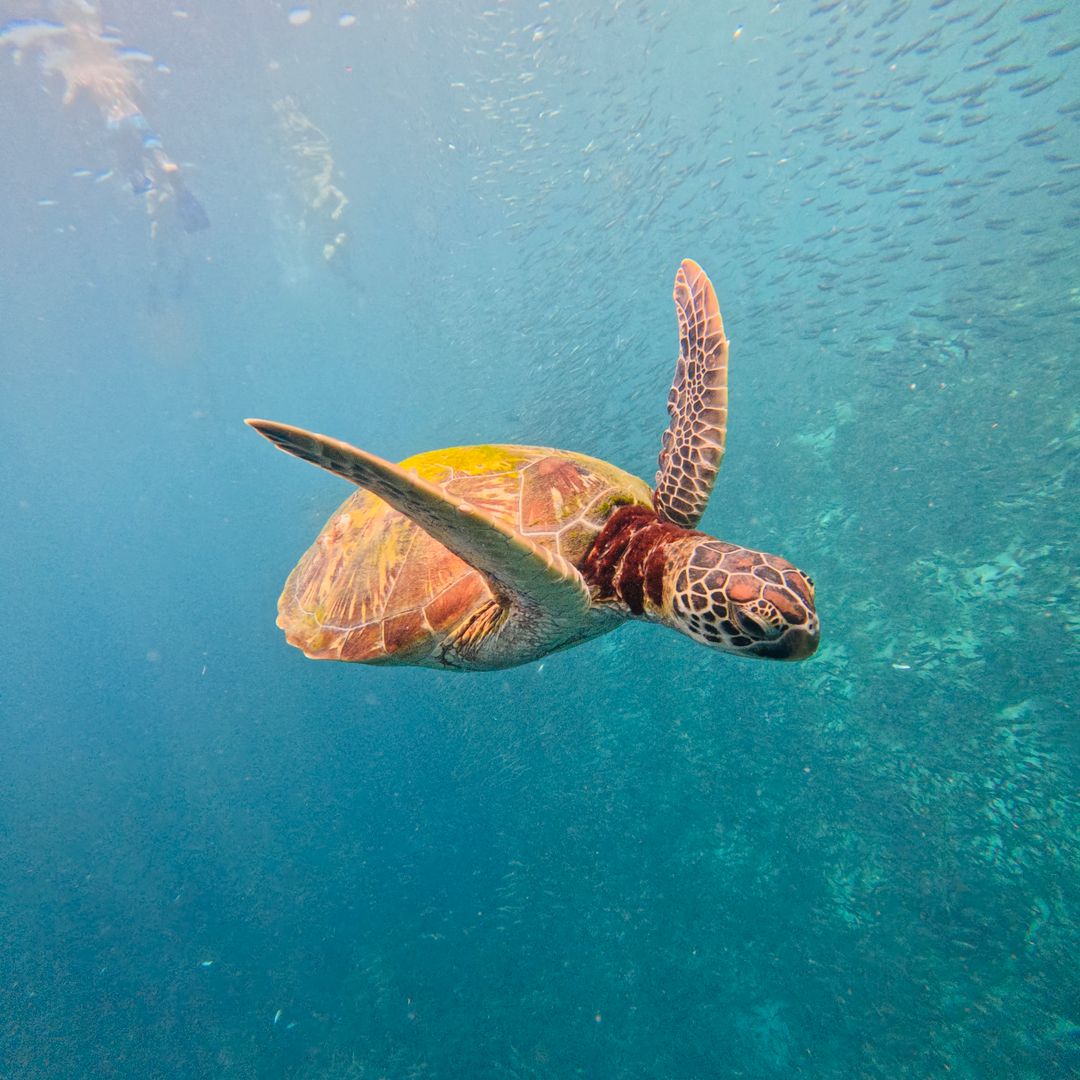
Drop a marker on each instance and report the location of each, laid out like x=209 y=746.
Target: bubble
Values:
x=299 y=15
x=346 y=19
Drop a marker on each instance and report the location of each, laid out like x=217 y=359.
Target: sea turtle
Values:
x=482 y=557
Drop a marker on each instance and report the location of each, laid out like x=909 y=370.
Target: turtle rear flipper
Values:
x=522 y=573
x=693 y=445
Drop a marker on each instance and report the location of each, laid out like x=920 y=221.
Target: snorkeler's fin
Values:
x=192 y=215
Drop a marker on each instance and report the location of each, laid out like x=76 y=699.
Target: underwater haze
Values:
x=423 y=223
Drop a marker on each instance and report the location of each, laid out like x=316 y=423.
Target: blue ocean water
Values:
x=440 y=223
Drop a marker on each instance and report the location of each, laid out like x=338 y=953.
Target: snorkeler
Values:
x=314 y=181
x=88 y=59
x=151 y=171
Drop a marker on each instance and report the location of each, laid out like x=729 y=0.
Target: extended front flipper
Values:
x=517 y=568
x=693 y=445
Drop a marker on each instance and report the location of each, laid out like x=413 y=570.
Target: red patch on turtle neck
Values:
x=627 y=559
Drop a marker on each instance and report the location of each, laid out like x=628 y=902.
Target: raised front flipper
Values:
x=693 y=444
x=518 y=569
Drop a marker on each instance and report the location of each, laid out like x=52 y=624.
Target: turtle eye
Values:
x=755 y=627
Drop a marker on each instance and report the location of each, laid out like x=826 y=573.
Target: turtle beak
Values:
x=796 y=643
x=803 y=643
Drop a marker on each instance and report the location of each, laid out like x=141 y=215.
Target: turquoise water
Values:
x=639 y=858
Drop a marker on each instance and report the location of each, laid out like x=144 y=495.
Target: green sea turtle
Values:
x=482 y=557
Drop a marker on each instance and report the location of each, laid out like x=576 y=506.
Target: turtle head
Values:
x=742 y=601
